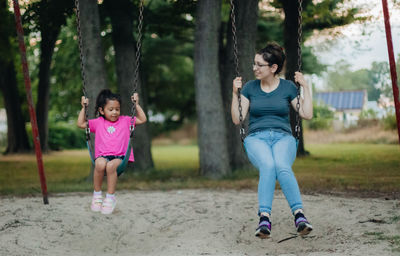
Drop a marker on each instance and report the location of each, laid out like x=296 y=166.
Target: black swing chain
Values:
x=237 y=74
x=137 y=62
x=81 y=56
x=299 y=62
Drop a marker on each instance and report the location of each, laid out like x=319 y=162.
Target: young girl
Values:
x=111 y=142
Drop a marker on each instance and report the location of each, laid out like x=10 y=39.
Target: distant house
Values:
x=347 y=105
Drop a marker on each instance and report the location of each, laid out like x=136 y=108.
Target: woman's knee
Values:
x=284 y=172
x=266 y=168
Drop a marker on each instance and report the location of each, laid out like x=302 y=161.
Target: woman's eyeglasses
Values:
x=258 y=65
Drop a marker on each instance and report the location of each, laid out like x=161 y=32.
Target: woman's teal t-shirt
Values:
x=269 y=110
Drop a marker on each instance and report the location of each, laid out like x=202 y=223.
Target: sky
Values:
x=360 y=44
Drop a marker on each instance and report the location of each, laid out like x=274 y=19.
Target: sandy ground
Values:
x=195 y=222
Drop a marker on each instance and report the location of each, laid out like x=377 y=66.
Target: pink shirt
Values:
x=112 y=138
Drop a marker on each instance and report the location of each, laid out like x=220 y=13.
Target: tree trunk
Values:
x=16 y=134
x=214 y=159
x=17 y=138
x=125 y=57
x=246 y=16
x=93 y=61
x=291 y=23
x=47 y=44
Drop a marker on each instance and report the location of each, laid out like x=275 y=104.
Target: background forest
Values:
x=186 y=63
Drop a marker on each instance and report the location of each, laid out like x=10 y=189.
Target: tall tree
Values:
x=246 y=16
x=17 y=138
x=120 y=12
x=93 y=55
x=92 y=50
x=291 y=44
x=214 y=160
x=48 y=16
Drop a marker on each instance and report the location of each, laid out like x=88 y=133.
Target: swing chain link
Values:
x=237 y=74
x=299 y=63
x=82 y=59
x=137 y=62
x=235 y=47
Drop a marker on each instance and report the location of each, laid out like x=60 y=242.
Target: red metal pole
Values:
x=392 y=62
x=28 y=89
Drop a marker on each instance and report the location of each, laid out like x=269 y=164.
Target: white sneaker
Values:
x=97 y=202
x=108 y=205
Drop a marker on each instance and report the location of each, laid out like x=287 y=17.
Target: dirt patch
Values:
x=196 y=222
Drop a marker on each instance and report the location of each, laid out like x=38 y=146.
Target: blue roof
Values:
x=344 y=100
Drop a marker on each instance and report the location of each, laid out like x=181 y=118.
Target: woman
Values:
x=270 y=146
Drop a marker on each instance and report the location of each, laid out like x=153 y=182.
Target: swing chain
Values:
x=236 y=61
x=297 y=128
x=137 y=62
x=82 y=59
x=235 y=47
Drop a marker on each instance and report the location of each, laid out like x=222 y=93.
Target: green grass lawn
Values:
x=360 y=168
x=350 y=167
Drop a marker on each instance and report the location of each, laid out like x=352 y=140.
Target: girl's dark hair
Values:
x=104 y=96
x=273 y=54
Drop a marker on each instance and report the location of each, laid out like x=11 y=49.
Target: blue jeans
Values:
x=273 y=154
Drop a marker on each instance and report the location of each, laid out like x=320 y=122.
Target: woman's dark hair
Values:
x=104 y=96
x=273 y=54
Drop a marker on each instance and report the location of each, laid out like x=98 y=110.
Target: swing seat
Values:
x=122 y=166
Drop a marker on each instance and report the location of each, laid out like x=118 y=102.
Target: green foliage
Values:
x=158 y=128
x=3 y=140
x=385 y=81
x=9 y=50
x=322 y=117
x=66 y=136
x=376 y=80
x=66 y=83
x=327 y=14
x=318 y=15
x=368 y=114
x=342 y=78
x=7 y=31
x=310 y=62
x=168 y=59
x=379 y=76
x=47 y=15
x=368 y=118
x=169 y=77
x=389 y=121
x=269 y=28
x=63 y=135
